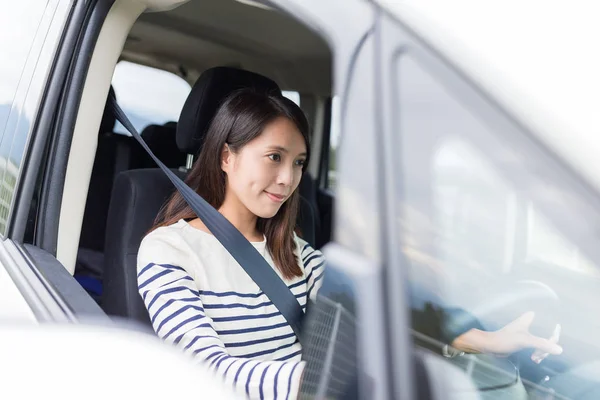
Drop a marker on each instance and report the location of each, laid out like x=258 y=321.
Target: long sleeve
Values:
x=457 y=321
x=314 y=267
x=178 y=316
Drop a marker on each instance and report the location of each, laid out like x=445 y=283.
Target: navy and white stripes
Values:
x=200 y=299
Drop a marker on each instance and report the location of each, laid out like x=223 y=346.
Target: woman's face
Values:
x=267 y=170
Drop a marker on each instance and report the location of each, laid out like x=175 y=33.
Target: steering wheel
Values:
x=505 y=302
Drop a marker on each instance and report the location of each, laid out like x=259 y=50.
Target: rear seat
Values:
x=115 y=153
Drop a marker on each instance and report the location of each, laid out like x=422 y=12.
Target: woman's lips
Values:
x=275 y=197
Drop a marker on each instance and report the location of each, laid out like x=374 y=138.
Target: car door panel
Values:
x=13 y=305
x=74 y=300
x=34 y=290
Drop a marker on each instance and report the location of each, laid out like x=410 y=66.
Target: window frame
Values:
x=80 y=41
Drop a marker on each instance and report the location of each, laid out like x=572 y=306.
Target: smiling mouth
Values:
x=276 y=197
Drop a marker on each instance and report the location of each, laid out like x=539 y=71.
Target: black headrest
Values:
x=161 y=140
x=107 y=124
x=209 y=91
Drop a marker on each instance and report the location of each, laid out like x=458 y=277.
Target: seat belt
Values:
x=230 y=237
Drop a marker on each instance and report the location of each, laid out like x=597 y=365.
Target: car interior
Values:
x=216 y=47
x=105 y=197
x=113 y=190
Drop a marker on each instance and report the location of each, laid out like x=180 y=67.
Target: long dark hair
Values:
x=242 y=117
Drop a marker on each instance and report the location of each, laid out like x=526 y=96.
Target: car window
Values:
x=23 y=26
x=548 y=246
x=148 y=95
x=494 y=230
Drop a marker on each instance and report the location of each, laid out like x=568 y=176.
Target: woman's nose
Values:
x=285 y=176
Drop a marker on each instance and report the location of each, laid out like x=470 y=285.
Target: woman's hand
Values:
x=511 y=338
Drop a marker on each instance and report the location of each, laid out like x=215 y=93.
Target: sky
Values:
x=18 y=21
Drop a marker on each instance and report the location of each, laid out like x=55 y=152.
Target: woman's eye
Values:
x=300 y=163
x=275 y=157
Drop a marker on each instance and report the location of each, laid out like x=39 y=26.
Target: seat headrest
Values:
x=161 y=140
x=209 y=91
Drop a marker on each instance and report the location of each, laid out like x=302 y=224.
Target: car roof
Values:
x=202 y=34
x=537 y=59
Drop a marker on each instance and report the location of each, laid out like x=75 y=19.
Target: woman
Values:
x=198 y=297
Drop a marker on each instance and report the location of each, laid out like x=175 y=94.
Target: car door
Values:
x=45 y=37
x=486 y=220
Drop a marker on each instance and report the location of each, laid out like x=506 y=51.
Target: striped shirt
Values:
x=200 y=299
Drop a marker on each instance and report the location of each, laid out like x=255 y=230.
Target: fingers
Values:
x=540 y=355
x=545 y=346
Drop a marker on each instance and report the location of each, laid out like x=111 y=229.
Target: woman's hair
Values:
x=241 y=118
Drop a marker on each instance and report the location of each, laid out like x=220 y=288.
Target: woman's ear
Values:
x=225 y=158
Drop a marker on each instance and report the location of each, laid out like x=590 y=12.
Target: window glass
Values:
x=148 y=95
x=18 y=21
x=22 y=34
x=546 y=244
x=493 y=233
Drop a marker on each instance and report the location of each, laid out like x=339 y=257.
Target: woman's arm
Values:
x=314 y=268
x=465 y=333
x=509 y=339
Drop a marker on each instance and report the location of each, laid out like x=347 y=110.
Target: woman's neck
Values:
x=242 y=218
